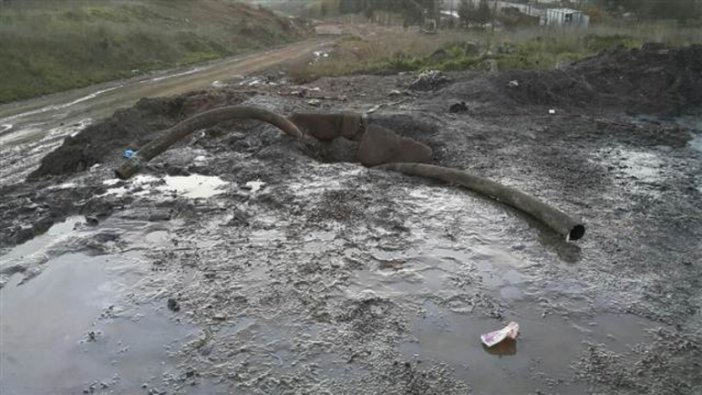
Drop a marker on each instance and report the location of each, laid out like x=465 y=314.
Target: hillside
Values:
x=49 y=46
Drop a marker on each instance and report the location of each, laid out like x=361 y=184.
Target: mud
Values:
x=297 y=274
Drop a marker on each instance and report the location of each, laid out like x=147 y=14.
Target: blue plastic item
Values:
x=129 y=153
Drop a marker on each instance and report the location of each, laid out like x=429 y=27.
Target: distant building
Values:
x=565 y=17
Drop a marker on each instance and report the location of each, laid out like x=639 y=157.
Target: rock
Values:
x=380 y=145
x=314 y=102
x=458 y=107
x=513 y=84
x=395 y=92
x=91 y=220
x=219 y=317
x=173 y=305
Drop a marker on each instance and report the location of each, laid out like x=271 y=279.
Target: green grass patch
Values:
x=525 y=49
x=50 y=46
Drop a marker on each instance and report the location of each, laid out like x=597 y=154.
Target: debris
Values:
x=552 y=111
x=429 y=80
x=458 y=107
x=314 y=102
x=254 y=186
x=513 y=84
x=218 y=84
x=374 y=109
x=173 y=305
x=394 y=92
x=128 y=153
x=219 y=317
x=509 y=332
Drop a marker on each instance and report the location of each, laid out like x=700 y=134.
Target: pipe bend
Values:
x=203 y=120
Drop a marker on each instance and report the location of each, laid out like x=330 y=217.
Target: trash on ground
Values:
x=429 y=80
x=509 y=332
x=552 y=111
x=128 y=153
x=254 y=186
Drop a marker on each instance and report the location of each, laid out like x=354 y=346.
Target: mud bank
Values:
x=297 y=274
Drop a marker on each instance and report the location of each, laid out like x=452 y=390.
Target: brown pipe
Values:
x=197 y=122
x=554 y=218
x=328 y=126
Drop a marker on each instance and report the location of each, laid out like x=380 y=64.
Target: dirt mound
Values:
x=653 y=79
x=129 y=128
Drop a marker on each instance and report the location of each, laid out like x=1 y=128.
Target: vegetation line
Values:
x=52 y=46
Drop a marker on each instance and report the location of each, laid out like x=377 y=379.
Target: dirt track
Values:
x=332 y=278
x=30 y=129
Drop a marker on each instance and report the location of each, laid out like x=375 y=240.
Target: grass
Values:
x=528 y=48
x=49 y=46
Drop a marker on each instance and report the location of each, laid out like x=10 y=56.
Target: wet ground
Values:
x=242 y=262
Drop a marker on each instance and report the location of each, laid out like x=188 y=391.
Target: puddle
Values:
x=544 y=345
x=435 y=271
x=194 y=186
x=45 y=345
x=449 y=331
x=57 y=234
x=645 y=166
x=696 y=142
x=318 y=241
x=67 y=185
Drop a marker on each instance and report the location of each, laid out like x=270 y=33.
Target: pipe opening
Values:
x=576 y=233
x=120 y=176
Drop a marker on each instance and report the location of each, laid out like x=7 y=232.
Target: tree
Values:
x=466 y=11
x=484 y=14
x=680 y=10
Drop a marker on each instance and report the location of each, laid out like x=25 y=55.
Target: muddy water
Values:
x=73 y=328
x=194 y=186
x=435 y=274
x=30 y=129
x=450 y=332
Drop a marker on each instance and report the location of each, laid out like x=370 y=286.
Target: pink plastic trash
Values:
x=492 y=338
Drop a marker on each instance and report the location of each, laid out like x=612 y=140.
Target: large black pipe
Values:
x=557 y=220
x=197 y=122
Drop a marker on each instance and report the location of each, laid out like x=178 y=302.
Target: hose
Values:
x=555 y=219
x=197 y=122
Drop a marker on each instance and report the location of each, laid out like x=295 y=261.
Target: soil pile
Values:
x=129 y=128
x=653 y=79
